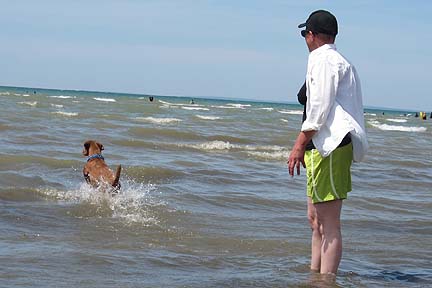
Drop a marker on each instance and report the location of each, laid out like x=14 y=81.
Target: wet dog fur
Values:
x=96 y=172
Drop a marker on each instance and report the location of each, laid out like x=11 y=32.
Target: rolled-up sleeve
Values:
x=321 y=81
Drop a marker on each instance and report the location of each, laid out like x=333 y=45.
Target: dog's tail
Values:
x=116 y=182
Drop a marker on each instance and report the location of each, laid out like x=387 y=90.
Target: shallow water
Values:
x=206 y=198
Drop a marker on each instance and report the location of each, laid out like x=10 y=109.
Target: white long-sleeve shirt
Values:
x=334 y=102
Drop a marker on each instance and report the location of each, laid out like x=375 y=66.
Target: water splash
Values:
x=136 y=203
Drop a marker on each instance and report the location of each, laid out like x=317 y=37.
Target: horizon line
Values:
x=394 y=109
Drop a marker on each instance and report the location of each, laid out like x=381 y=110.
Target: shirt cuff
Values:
x=309 y=127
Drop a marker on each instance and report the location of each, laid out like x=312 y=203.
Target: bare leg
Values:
x=316 y=237
x=328 y=214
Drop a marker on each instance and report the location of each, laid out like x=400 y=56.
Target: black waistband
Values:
x=345 y=141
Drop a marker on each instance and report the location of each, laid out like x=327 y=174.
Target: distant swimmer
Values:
x=151 y=99
x=431 y=115
x=416 y=115
x=192 y=101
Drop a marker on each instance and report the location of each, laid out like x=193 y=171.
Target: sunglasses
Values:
x=305 y=32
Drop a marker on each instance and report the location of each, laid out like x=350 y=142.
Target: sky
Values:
x=240 y=49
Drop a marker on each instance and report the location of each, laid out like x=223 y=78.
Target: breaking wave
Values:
x=387 y=127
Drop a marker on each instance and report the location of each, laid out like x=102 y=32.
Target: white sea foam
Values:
x=171 y=104
x=159 y=120
x=387 y=127
x=57 y=105
x=266 y=109
x=267 y=152
x=26 y=95
x=276 y=155
x=239 y=106
x=195 y=108
x=4 y=93
x=284 y=120
x=223 y=107
x=62 y=96
x=397 y=120
x=68 y=114
x=208 y=117
x=293 y=112
x=213 y=145
x=369 y=114
x=164 y=106
x=225 y=145
x=33 y=104
x=105 y=99
x=165 y=102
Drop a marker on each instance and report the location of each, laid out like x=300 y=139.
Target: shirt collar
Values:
x=322 y=49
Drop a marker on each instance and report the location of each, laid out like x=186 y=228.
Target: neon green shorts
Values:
x=329 y=178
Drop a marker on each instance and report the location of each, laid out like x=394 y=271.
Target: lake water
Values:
x=206 y=198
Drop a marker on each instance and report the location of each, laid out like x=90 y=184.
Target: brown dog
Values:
x=96 y=172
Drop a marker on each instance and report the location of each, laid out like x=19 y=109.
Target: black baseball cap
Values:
x=321 y=21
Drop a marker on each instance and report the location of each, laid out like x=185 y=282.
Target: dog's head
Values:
x=92 y=147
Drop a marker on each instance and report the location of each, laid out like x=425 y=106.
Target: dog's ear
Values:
x=85 y=151
x=100 y=146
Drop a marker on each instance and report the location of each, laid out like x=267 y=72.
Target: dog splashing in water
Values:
x=96 y=172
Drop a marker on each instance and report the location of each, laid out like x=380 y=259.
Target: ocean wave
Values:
x=195 y=108
x=20 y=194
x=284 y=120
x=223 y=107
x=293 y=112
x=105 y=99
x=239 y=106
x=228 y=138
x=211 y=146
x=170 y=104
x=57 y=105
x=269 y=152
x=62 y=97
x=21 y=181
x=68 y=114
x=266 y=108
x=13 y=162
x=225 y=145
x=397 y=120
x=275 y=155
x=159 y=120
x=32 y=104
x=387 y=127
x=208 y=117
